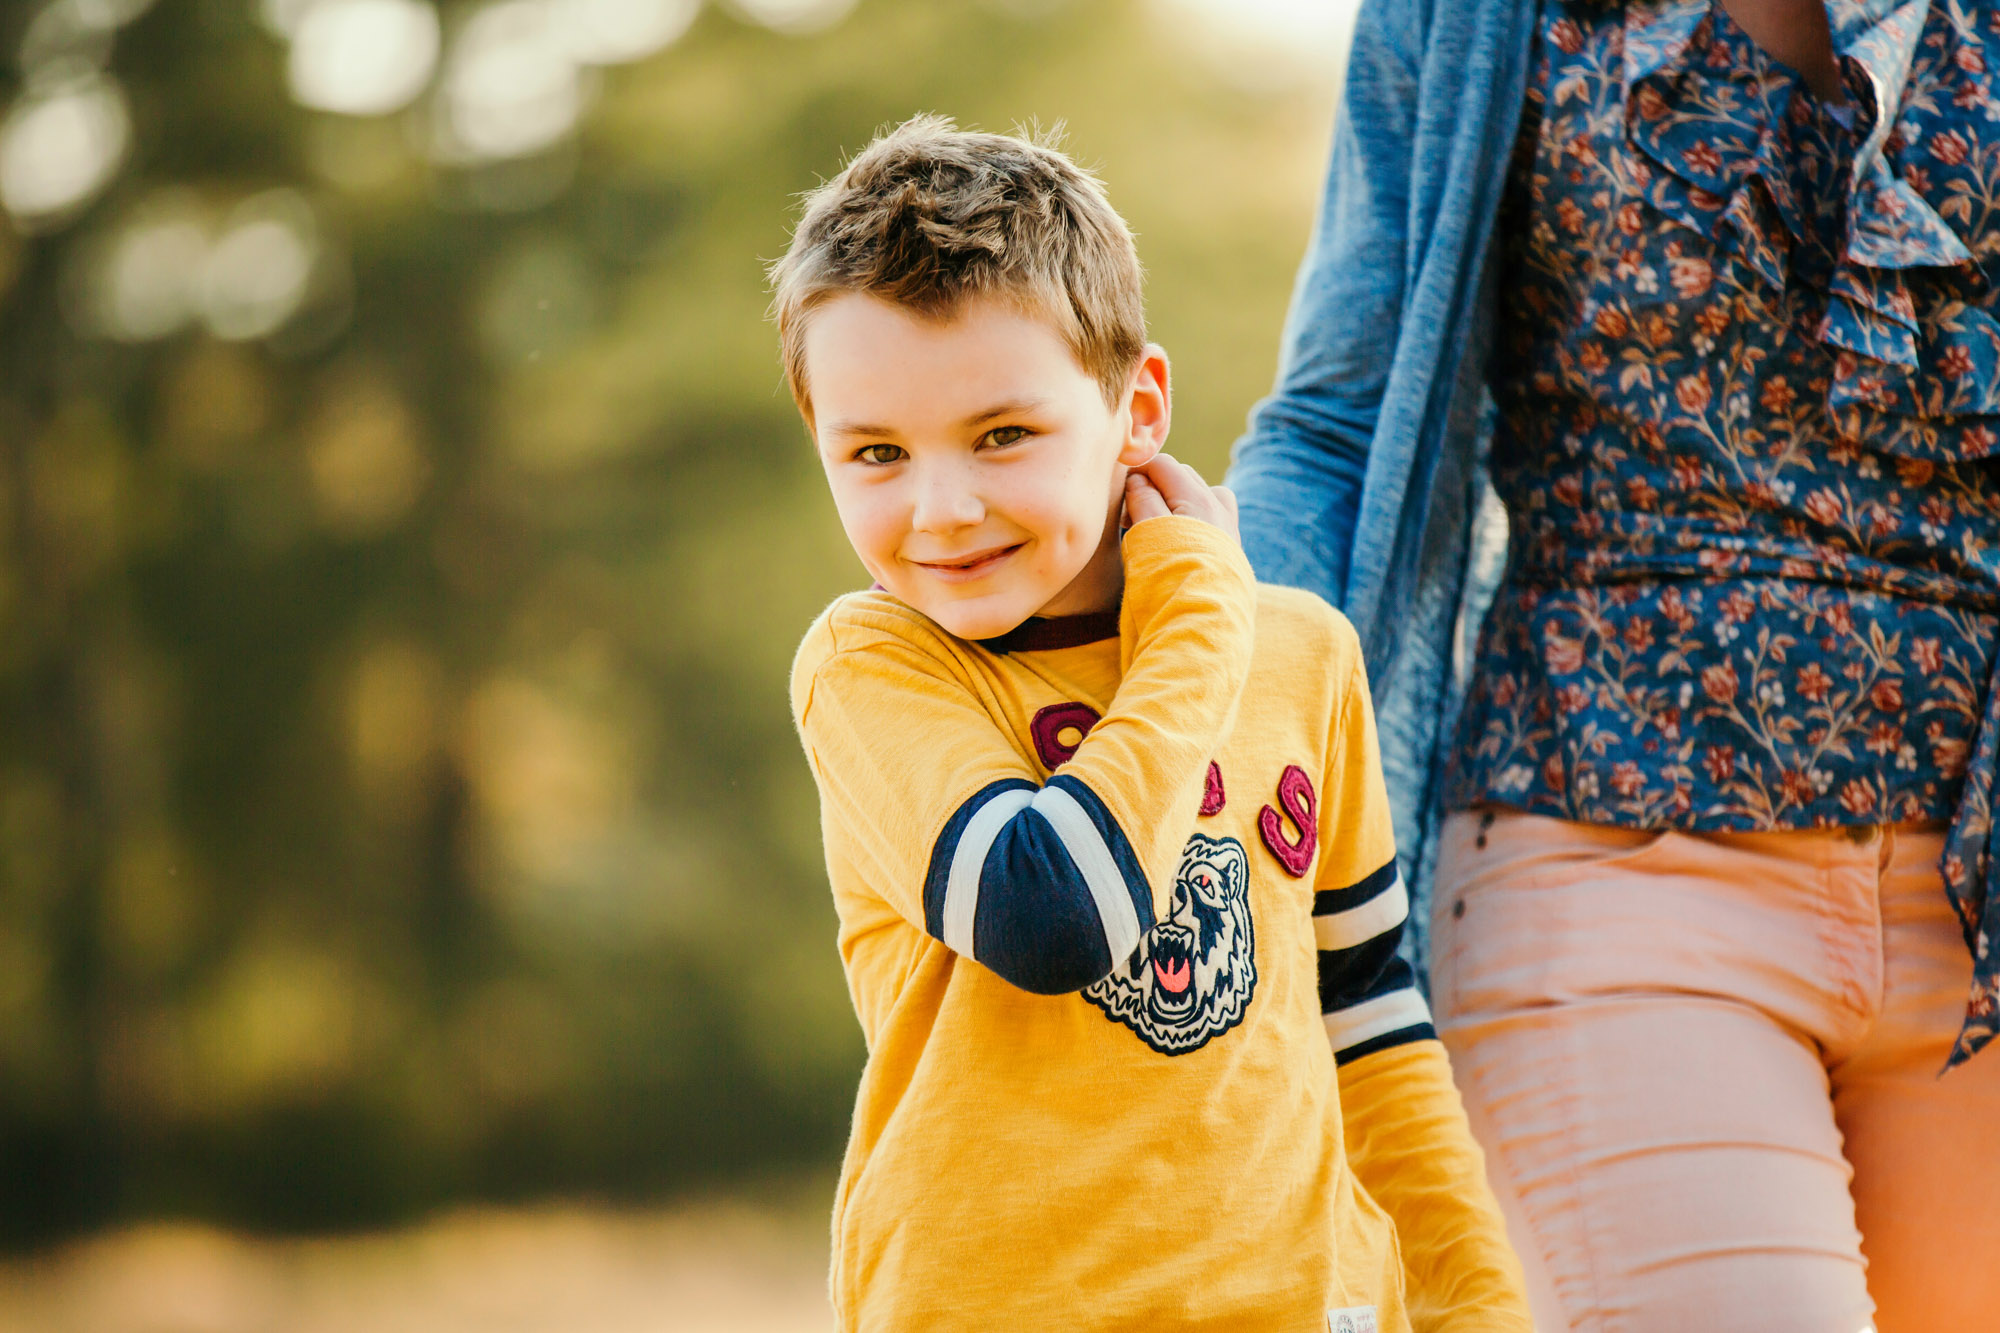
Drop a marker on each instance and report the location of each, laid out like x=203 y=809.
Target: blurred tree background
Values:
x=403 y=538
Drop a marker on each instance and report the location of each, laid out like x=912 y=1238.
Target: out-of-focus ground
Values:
x=742 y=1266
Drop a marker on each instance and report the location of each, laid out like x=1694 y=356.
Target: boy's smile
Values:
x=976 y=465
x=974 y=566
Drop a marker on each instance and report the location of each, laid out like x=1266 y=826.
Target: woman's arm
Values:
x=1297 y=473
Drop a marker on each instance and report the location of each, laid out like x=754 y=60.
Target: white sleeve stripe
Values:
x=1085 y=846
x=961 y=891
x=1372 y=1018
x=1344 y=930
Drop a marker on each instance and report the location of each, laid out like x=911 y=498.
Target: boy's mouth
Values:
x=962 y=569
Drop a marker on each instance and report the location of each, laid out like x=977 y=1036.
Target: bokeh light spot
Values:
x=256 y=273
x=553 y=779
x=60 y=146
x=112 y=13
x=139 y=287
x=362 y=451
x=1264 y=46
x=612 y=32
x=65 y=30
x=283 y=17
x=363 y=57
x=510 y=87
x=214 y=401
x=283 y=1021
x=796 y=17
x=75 y=30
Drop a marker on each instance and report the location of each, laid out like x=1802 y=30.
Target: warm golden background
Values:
x=410 y=898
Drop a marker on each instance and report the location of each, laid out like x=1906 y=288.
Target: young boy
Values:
x=1118 y=901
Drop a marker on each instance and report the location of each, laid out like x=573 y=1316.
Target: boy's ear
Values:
x=1150 y=408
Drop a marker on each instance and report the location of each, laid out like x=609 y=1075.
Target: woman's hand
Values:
x=1168 y=486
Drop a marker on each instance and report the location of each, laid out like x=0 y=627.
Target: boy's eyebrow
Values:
x=856 y=428
x=1012 y=407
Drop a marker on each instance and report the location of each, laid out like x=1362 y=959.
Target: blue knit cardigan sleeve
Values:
x=1359 y=477
x=1298 y=472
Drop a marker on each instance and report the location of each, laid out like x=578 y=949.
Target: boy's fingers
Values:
x=1227 y=499
x=1153 y=494
x=1142 y=500
x=1172 y=487
x=1179 y=485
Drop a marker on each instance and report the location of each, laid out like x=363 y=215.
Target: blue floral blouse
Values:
x=1748 y=379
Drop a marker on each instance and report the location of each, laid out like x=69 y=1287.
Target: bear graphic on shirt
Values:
x=1192 y=976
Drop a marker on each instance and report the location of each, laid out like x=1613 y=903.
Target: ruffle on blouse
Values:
x=1718 y=126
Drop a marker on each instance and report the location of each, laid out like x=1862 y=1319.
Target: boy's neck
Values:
x=1086 y=612
x=1097 y=589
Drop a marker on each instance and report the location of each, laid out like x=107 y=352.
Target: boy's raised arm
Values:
x=1407 y=1138
x=1048 y=884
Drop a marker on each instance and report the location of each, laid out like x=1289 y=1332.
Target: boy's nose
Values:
x=944 y=502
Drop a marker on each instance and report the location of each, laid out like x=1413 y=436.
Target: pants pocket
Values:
x=1525 y=907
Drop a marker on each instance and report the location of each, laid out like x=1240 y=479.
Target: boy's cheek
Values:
x=867 y=528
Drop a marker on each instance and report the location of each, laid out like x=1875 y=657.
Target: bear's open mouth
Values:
x=1173 y=968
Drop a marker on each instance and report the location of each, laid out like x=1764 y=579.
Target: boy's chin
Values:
x=983 y=619
x=978 y=625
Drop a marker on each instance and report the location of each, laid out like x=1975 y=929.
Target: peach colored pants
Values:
x=1705 y=1071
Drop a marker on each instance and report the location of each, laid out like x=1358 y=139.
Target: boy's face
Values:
x=976 y=467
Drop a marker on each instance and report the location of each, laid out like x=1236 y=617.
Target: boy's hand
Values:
x=1169 y=486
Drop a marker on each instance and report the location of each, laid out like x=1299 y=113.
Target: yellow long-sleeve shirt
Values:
x=1119 y=906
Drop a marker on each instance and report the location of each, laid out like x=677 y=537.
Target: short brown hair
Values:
x=929 y=215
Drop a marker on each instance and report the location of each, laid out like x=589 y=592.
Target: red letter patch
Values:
x=1212 y=795
x=1049 y=727
x=1295 y=793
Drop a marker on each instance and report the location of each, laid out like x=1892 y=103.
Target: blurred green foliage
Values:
x=398 y=799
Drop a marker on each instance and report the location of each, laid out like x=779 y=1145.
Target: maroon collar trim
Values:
x=1041 y=633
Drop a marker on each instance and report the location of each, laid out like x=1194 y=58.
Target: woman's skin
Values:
x=1794 y=32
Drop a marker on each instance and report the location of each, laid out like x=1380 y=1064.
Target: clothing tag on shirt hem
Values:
x=1354 y=1319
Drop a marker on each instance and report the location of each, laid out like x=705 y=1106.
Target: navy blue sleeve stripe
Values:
x=1328 y=901
x=938 y=879
x=1400 y=1037
x=1396 y=974
x=1040 y=885
x=1353 y=975
x=1122 y=856
x=1394 y=1006
x=1037 y=924
x=1368 y=995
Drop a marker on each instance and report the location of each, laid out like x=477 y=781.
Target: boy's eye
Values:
x=878 y=453
x=1001 y=436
